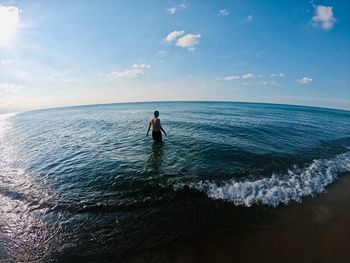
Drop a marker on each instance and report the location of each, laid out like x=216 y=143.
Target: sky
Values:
x=62 y=53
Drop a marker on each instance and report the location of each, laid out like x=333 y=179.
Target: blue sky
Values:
x=59 y=53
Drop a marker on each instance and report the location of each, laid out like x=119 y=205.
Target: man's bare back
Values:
x=156 y=128
x=155 y=122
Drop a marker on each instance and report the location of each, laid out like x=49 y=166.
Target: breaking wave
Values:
x=279 y=189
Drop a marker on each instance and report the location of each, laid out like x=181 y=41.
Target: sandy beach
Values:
x=317 y=230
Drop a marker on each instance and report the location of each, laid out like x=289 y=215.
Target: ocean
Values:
x=87 y=183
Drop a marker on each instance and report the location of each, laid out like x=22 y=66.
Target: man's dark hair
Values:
x=156 y=113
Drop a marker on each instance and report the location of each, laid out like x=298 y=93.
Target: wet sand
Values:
x=317 y=230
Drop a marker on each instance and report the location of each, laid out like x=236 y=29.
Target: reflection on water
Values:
x=155 y=158
x=25 y=234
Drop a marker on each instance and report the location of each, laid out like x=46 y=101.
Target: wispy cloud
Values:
x=9 y=20
x=173 y=36
x=324 y=17
x=161 y=53
x=258 y=76
x=128 y=73
x=172 y=10
x=248 y=18
x=141 y=66
x=10 y=88
x=223 y=12
x=248 y=76
x=304 y=80
x=188 y=41
x=6 y=62
x=68 y=79
x=277 y=75
x=229 y=78
x=137 y=70
x=265 y=82
x=273 y=83
x=235 y=77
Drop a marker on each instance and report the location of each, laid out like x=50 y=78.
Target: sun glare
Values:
x=9 y=19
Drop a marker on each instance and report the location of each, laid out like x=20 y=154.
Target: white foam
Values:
x=278 y=189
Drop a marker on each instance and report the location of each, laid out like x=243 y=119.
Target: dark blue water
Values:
x=86 y=180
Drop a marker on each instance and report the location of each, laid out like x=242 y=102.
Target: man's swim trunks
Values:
x=157 y=136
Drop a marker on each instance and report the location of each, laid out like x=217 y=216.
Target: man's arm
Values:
x=161 y=128
x=149 y=127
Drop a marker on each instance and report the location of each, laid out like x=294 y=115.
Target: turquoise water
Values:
x=86 y=180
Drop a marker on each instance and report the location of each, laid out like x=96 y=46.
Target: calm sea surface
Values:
x=84 y=182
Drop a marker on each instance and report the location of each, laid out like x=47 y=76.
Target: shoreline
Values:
x=316 y=230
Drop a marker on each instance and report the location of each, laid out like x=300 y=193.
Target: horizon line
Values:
x=173 y=101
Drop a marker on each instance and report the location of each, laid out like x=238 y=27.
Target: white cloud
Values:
x=10 y=88
x=174 y=35
x=172 y=10
x=134 y=72
x=259 y=76
x=223 y=12
x=128 y=73
x=188 y=41
x=230 y=78
x=304 y=80
x=248 y=76
x=324 y=17
x=245 y=77
x=277 y=75
x=141 y=66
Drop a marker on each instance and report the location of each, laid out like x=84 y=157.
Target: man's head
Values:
x=156 y=114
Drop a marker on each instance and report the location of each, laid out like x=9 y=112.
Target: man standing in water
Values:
x=156 y=128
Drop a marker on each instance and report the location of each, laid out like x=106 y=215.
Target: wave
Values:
x=277 y=189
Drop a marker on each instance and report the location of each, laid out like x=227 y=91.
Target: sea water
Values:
x=81 y=181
